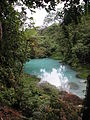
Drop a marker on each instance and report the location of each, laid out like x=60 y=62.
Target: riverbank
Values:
x=39 y=101
x=44 y=101
x=66 y=48
x=56 y=73
x=82 y=70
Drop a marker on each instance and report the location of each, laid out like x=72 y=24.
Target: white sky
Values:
x=39 y=15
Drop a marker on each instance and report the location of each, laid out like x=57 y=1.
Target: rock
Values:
x=48 y=88
x=70 y=98
x=73 y=86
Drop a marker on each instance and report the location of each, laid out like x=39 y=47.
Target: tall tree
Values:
x=86 y=112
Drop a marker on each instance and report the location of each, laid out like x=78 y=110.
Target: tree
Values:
x=12 y=53
x=86 y=111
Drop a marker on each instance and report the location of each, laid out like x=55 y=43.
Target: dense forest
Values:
x=21 y=98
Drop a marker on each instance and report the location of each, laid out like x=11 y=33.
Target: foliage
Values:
x=8 y=113
x=40 y=102
x=16 y=46
x=72 y=12
x=86 y=108
x=10 y=56
x=72 y=44
x=13 y=47
x=50 y=38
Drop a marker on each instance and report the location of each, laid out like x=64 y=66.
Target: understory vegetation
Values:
x=41 y=101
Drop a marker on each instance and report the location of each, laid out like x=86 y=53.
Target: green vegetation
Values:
x=38 y=102
x=43 y=102
x=69 y=42
x=71 y=45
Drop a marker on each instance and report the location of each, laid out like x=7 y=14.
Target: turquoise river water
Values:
x=57 y=74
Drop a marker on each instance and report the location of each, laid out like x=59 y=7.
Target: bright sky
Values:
x=39 y=15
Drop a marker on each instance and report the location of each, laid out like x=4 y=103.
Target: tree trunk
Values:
x=0 y=32
x=86 y=111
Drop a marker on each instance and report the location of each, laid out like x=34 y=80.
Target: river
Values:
x=57 y=74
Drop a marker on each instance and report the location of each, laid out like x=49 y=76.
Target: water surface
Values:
x=57 y=74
